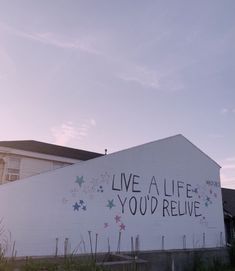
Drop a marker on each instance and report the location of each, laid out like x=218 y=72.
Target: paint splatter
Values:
x=100 y=189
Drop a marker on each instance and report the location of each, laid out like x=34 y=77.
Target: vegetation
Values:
x=68 y=264
x=72 y=263
x=216 y=265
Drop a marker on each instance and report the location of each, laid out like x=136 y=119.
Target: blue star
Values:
x=79 y=181
x=76 y=207
x=84 y=208
x=110 y=204
x=81 y=202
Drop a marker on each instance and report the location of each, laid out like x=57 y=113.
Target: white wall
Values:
x=42 y=208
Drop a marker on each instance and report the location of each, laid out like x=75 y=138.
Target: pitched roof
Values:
x=228 y=196
x=51 y=149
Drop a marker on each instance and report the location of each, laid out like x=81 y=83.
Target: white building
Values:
x=165 y=194
x=22 y=159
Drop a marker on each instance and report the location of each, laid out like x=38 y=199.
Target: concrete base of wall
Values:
x=180 y=260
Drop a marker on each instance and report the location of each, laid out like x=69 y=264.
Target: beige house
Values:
x=22 y=159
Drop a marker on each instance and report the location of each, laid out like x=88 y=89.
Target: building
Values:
x=22 y=159
x=228 y=196
x=161 y=195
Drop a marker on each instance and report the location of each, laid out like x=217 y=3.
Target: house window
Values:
x=13 y=169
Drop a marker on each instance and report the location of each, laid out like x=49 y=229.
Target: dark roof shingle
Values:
x=50 y=149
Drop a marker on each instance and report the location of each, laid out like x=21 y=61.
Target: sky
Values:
x=99 y=75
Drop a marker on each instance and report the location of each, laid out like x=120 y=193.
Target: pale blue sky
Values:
x=114 y=74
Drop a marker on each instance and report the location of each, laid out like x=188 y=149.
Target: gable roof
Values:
x=51 y=149
x=228 y=196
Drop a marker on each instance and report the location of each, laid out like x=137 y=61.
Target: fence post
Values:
x=204 y=240
x=221 y=239
x=163 y=242
x=66 y=241
x=184 y=241
x=56 y=246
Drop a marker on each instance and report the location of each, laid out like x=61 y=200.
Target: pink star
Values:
x=122 y=227
x=117 y=218
x=106 y=225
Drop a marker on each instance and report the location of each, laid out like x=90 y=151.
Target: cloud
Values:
x=227 y=181
x=216 y=136
x=7 y=65
x=226 y=111
x=141 y=75
x=49 y=38
x=66 y=132
x=228 y=172
x=93 y=122
x=146 y=77
x=85 y=44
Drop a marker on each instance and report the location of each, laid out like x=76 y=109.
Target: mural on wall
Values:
x=128 y=194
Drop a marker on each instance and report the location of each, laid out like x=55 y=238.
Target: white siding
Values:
x=31 y=166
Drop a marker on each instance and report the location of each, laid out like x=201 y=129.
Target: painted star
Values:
x=76 y=207
x=81 y=202
x=110 y=204
x=117 y=218
x=79 y=180
x=122 y=227
x=106 y=225
x=84 y=208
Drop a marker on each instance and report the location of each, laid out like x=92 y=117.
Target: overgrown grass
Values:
x=68 y=264
x=216 y=265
